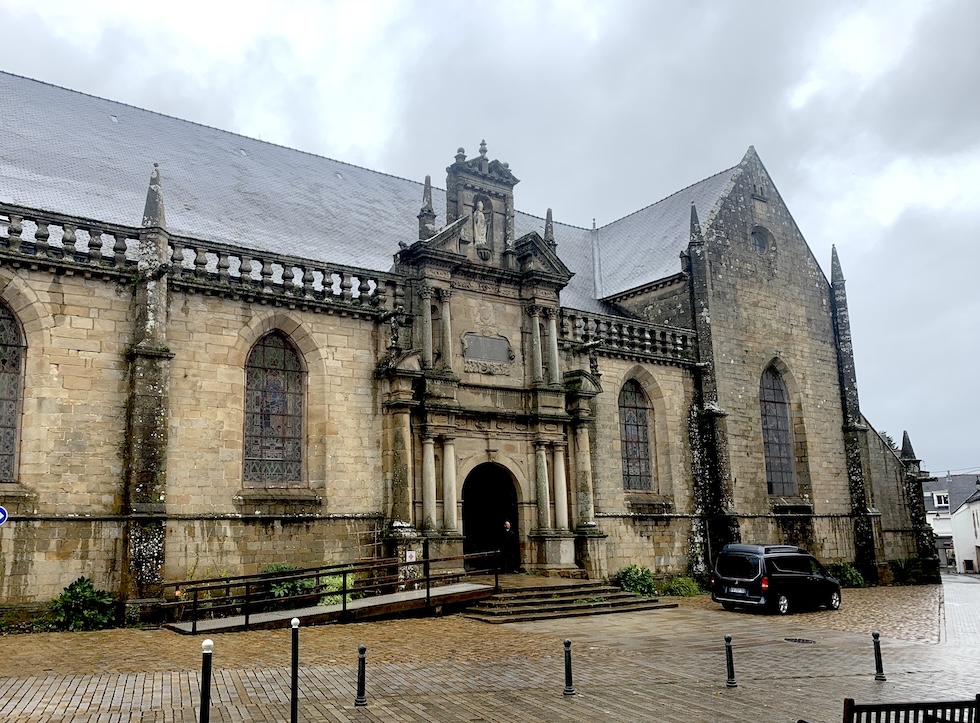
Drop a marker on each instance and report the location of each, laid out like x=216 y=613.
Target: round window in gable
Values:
x=761 y=240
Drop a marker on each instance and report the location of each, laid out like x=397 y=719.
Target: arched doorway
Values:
x=489 y=498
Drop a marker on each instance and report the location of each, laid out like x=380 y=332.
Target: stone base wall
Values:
x=831 y=539
x=40 y=557
x=660 y=544
x=201 y=548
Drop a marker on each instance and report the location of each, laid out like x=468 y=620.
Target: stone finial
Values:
x=907 y=451
x=549 y=230
x=153 y=215
x=836 y=275
x=460 y=155
x=483 y=148
x=427 y=194
x=696 y=237
x=427 y=216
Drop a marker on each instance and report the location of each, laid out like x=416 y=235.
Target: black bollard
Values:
x=569 y=690
x=879 y=670
x=730 y=661
x=361 y=700
x=206 y=647
x=294 y=693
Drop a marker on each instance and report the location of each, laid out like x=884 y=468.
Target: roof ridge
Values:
x=213 y=128
x=692 y=185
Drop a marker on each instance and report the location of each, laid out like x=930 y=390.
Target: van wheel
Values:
x=834 y=601
x=782 y=604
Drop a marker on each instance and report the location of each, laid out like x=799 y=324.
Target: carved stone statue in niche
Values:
x=482 y=225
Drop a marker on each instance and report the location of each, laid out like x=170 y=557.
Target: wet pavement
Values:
x=664 y=665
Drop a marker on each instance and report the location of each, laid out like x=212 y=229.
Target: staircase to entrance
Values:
x=525 y=597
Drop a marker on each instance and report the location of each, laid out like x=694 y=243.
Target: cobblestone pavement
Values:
x=665 y=665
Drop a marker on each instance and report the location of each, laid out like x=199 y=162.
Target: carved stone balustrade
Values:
x=616 y=336
x=34 y=238
x=69 y=244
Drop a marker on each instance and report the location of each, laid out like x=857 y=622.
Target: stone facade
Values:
x=476 y=378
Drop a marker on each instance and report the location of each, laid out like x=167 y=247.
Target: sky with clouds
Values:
x=866 y=114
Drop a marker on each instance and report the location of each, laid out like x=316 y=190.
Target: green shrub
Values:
x=330 y=585
x=81 y=607
x=637 y=580
x=681 y=586
x=287 y=588
x=847 y=575
x=334 y=584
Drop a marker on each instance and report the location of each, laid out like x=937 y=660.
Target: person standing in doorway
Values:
x=510 y=562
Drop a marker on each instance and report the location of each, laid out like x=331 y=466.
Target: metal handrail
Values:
x=238 y=593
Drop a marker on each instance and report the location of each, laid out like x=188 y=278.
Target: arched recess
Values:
x=27 y=380
x=658 y=427
x=312 y=364
x=490 y=495
x=797 y=423
x=34 y=318
x=298 y=332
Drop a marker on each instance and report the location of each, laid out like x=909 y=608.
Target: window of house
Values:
x=761 y=240
x=273 y=414
x=634 y=432
x=11 y=391
x=777 y=434
x=940 y=499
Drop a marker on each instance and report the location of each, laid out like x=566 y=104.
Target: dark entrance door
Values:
x=489 y=498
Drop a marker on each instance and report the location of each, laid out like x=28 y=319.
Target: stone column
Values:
x=536 y=373
x=447 y=330
x=425 y=293
x=561 y=490
x=541 y=485
x=403 y=472
x=148 y=430
x=583 y=477
x=428 y=484
x=555 y=377
x=448 y=484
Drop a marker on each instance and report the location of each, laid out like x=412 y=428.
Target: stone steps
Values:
x=559 y=601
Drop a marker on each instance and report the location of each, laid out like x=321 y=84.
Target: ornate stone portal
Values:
x=509 y=406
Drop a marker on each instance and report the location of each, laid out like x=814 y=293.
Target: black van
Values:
x=775 y=577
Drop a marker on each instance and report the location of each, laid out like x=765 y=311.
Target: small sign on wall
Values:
x=409 y=555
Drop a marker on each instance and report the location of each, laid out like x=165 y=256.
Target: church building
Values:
x=218 y=353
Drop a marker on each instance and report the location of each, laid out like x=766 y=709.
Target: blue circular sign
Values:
x=3 y=515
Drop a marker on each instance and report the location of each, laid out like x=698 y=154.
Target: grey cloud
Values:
x=930 y=103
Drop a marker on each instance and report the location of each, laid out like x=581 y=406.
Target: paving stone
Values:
x=665 y=665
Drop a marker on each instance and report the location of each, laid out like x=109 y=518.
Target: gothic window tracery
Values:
x=274 y=382
x=777 y=434
x=634 y=432
x=11 y=391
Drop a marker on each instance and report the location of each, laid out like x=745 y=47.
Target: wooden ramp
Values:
x=369 y=607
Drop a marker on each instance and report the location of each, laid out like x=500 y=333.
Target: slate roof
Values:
x=77 y=154
x=961 y=488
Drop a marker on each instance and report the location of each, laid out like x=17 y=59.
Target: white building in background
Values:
x=966 y=533
x=941 y=496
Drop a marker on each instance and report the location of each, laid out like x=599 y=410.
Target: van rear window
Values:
x=740 y=566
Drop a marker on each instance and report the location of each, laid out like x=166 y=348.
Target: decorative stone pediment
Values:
x=581 y=383
x=445 y=239
x=535 y=255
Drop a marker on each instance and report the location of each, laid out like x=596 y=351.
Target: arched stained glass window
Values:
x=273 y=414
x=11 y=391
x=634 y=434
x=777 y=434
